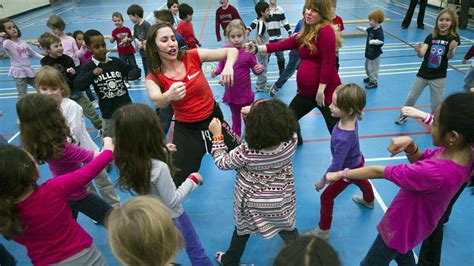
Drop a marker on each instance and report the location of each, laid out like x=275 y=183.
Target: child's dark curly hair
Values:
x=268 y=124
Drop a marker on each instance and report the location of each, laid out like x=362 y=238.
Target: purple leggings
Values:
x=236 y=117
x=193 y=246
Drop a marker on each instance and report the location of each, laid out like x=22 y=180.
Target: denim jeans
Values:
x=293 y=63
x=194 y=248
x=3 y=140
x=380 y=254
x=469 y=80
x=92 y=206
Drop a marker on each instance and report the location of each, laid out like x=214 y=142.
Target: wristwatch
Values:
x=345 y=174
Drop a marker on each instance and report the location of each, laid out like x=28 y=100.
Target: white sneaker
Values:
x=359 y=199
x=127 y=85
x=95 y=104
x=323 y=234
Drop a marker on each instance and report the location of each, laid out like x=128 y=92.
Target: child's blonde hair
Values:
x=142 y=233
x=50 y=76
x=235 y=24
x=453 y=30
x=377 y=16
x=351 y=98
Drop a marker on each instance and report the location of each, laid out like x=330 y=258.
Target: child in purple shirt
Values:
x=45 y=134
x=348 y=101
x=240 y=94
x=426 y=186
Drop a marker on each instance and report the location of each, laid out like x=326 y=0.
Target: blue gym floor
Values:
x=210 y=207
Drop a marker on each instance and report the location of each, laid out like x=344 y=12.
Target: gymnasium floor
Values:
x=210 y=207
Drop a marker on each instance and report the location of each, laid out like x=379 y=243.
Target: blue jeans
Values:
x=193 y=246
x=293 y=63
x=3 y=140
x=380 y=254
x=469 y=80
x=92 y=206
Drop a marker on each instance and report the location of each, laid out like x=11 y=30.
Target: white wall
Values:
x=12 y=7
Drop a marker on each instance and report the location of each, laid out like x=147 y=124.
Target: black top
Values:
x=109 y=86
x=435 y=61
x=139 y=32
x=373 y=51
x=62 y=63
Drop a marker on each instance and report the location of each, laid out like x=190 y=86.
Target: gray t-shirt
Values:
x=163 y=187
x=140 y=32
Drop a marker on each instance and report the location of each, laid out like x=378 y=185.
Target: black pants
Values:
x=166 y=116
x=464 y=13
x=430 y=252
x=302 y=105
x=92 y=206
x=411 y=9
x=237 y=246
x=6 y=259
x=193 y=140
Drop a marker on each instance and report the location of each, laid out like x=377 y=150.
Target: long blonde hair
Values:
x=142 y=233
x=310 y=32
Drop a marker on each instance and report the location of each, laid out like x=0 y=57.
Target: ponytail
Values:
x=10 y=222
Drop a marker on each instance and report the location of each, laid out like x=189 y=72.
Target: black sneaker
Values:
x=401 y=119
x=371 y=85
x=366 y=80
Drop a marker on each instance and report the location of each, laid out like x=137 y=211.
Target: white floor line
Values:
x=14 y=137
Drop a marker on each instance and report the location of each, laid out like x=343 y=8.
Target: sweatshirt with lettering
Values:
x=109 y=86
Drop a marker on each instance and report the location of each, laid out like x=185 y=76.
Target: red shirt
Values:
x=119 y=34
x=315 y=68
x=186 y=30
x=223 y=17
x=337 y=21
x=198 y=103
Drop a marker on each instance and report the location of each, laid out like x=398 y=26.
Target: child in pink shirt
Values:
x=39 y=217
x=47 y=137
x=240 y=94
x=426 y=186
x=20 y=53
x=57 y=25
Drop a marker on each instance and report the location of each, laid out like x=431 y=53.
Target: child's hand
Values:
x=227 y=77
x=358 y=28
x=171 y=147
x=71 y=71
x=198 y=177
x=472 y=89
x=333 y=176
x=417 y=46
x=245 y=110
x=213 y=74
x=177 y=91
x=464 y=61
x=453 y=44
x=412 y=112
x=139 y=45
x=97 y=71
x=108 y=144
x=258 y=68
x=249 y=47
x=399 y=144
x=215 y=127
x=320 y=184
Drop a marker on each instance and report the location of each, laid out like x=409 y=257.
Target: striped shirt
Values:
x=264 y=193
x=274 y=22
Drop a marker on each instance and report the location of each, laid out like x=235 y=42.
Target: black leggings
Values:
x=193 y=140
x=237 y=246
x=302 y=105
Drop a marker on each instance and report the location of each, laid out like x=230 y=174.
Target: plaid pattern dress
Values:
x=264 y=193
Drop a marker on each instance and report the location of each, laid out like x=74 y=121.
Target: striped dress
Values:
x=264 y=194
